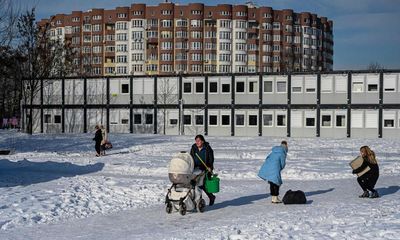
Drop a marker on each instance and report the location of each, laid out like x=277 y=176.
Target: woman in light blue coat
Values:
x=271 y=169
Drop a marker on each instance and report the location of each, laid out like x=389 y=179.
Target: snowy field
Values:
x=53 y=187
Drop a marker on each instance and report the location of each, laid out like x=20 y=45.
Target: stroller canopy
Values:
x=181 y=163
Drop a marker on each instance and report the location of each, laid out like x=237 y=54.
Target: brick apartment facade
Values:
x=194 y=38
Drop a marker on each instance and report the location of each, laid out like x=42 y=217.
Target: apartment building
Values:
x=195 y=39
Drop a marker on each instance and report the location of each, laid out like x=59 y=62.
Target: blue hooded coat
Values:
x=273 y=165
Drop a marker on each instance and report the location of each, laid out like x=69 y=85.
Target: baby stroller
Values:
x=184 y=194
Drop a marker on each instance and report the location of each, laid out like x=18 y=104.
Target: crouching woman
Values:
x=368 y=180
x=271 y=169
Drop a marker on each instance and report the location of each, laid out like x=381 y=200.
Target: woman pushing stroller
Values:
x=203 y=156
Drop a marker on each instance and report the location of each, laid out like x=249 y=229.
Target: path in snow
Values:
x=243 y=211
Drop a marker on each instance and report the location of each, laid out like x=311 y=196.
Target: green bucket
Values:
x=212 y=184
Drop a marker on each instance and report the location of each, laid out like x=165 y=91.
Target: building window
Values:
x=124 y=88
x=239 y=120
x=296 y=89
x=253 y=87
x=358 y=87
x=125 y=121
x=213 y=87
x=57 y=119
x=268 y=86
x=199 y=87
x=240 y=87
x=372 y=87
x=199 y=119
x=253 y=119
x=281 y=86
x=187 y=87
x=310 y=122
x=225 y=120
x=173 y=121
x=340 y=120
x=149 y=118
x=388 y=123
x=187 y=120
x=267 y=120
x=226 y=87
x=213 y=120
x=326 y=121
x=47 y=118
x=281 y=120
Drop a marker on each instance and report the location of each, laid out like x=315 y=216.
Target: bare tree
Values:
x=167 y=95
x=375 y=66
x=10 y=73
x=43 y=57
x=8 y=19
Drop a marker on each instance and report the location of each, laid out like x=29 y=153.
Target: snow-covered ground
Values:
x=53 y=187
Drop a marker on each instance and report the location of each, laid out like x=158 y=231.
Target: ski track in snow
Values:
x=55 y=179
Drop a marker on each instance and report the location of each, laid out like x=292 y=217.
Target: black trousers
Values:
x=97 y=147
x=273 y=188
x=209 y=195
x=368 y=181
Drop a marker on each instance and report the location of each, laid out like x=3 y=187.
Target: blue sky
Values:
x=365 y=31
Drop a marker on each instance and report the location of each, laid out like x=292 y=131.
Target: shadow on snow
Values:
x=24 y=172
x=388 y=190
x=252 y=198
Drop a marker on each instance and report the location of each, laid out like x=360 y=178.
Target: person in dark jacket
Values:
x=203 y=157
x=368 y=180
x=98 y=137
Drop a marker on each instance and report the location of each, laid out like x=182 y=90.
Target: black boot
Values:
x=374 y=194
x=212 y=199
x=364 y=195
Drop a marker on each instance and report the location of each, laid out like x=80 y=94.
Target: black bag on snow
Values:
x=294 y=197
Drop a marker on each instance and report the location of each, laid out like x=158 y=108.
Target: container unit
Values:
x=275 y=89
x=219 y=90
x=219 y=122
x=171 y=122
x=167 y=90
x=193 y=90
x=365 y=88
x=74 y=93
x=364 y=123
x=52 y=122
x=143 y=90
x=333 y=123
x=391 y=88
x=304 y=89
x=52 y=92
x=143 y=121
x=119 y=120
x=96 y=91
x=246 y=89
x=246 y=122
x=391 y=123
x=96 y=116
x=303 y=122
x=193 y=120
x=73 y=121
x=334 y=88
x=274 y=122
x=119 y=90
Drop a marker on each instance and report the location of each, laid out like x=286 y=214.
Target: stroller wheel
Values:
x=182 y=209
x=168 y=208
x=201 y=206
